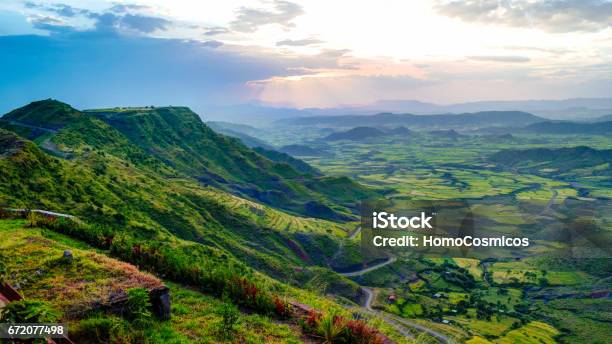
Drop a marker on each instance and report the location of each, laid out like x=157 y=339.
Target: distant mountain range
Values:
x=553 y=109
x=460 y=121
x=260 y=114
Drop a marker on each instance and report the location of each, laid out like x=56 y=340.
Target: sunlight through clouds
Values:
x=354 y=52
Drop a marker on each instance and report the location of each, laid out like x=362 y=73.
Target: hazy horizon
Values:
x=301 y=55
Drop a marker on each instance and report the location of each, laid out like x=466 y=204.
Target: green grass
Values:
x=196 y=316
x=510 y=272
x=34 y=259
x=492 y=328
x=37 y=266
x=534 y=332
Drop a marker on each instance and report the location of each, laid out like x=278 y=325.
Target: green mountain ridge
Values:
x=560 y=158
x=47 y=113
x=174 y=227
x=111 y=181
x=175 y=138
x=151 y=207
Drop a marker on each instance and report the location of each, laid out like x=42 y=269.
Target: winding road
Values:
x=354 y=234
x=46 y=144
x=399 y=323
x=389 y=260
x=402 y=325
x=43 y=212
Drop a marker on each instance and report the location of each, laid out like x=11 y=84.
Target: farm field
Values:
x=487 y=301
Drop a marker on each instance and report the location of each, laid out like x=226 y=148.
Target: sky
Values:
x=302 y=54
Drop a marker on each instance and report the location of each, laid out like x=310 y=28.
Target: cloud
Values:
x=212 y=44
x=554 y=51
x=145 y=24
x=110 y=22
x=215 y=30
x=53 y=25
x=65 y=10
x=557 y=16
x=108 y=70
x=334 y=53
x=512 y=59
x=249 y=19
x=61 y=10
x=299 y=42
x=119 y=17
x=337 y=90
x=125 y=8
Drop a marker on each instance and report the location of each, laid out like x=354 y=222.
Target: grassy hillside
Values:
x=213 y=241
x=49 y=114
x=560 y=128
x=112 y=191
x=175 y=138
x=77 y=291
x=560 y=159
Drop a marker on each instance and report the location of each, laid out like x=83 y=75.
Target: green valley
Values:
x=256 y=237
x=517 y=180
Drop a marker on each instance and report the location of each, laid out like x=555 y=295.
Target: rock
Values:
x=68 y=257
x=160 y=302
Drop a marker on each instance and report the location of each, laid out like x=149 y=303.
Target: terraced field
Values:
x=498 y=305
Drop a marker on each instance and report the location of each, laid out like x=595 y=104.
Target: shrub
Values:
x=138 y=305
x=230 y=316
x=358 y=332
x=336 y=329
x=107 y=329
x=98 y=329
x=34 y=219
x=247 y=293
x=28 y=311
x=281 y=308
x=4 y=270
x=6 y=214
x=330 y=327
x=311 y=321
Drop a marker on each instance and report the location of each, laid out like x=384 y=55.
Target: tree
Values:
x=230 y=316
